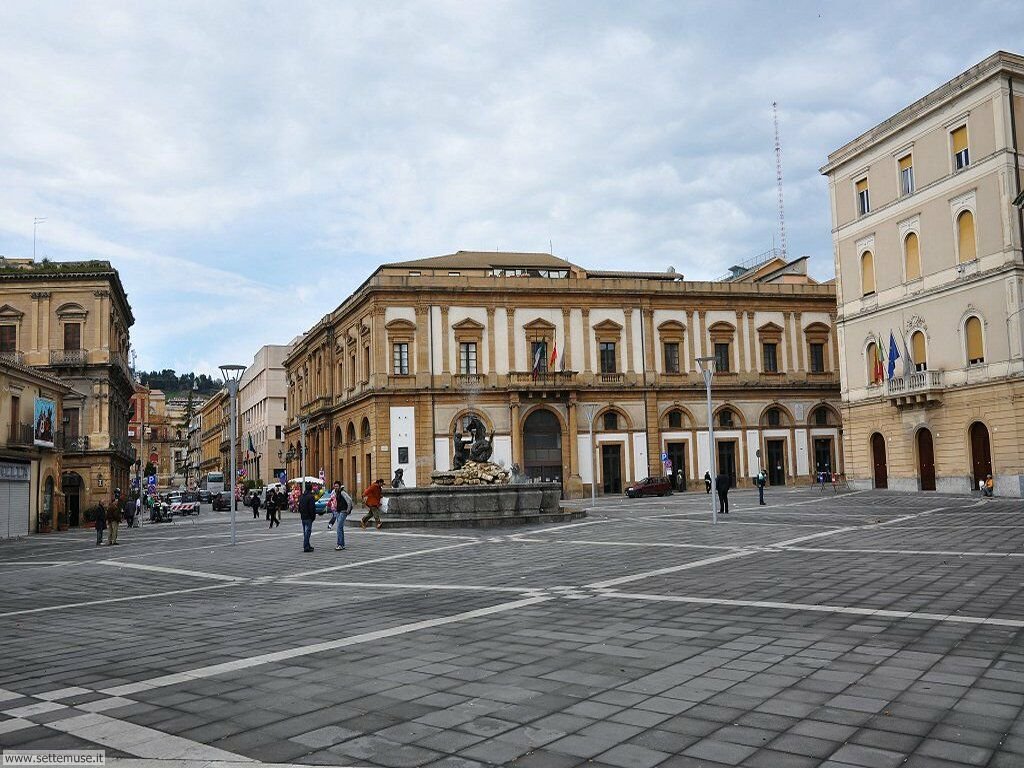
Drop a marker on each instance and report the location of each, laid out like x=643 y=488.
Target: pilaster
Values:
x=492 y=363
x=741 y=342
x=799 y=333
x=630 y=368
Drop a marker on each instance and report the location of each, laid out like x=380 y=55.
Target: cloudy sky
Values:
x=245 y=165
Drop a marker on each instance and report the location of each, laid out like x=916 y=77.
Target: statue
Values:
x=479 y=447
x=459 y=459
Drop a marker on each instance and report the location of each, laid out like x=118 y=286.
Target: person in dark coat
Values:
x=722 y=483
x=707 y=482
x=254 y=502
x=101 y=523
x=307 y=513
x=272 y=509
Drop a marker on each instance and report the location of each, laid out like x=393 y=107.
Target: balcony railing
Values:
x=918 y=387
x=611 y=378
x=78 y=444
x=12 y=357
x=20 y=435
x=542 y=379
x=68 y=357
x=468 y=380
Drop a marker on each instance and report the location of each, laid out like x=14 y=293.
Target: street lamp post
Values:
x=590 y=411
x=707 y=370
x=303 y=425
x=231 y=374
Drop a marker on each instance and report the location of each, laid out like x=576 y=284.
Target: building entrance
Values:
x=926 y=459
x=823 y=459
x=881 y=468
x=611 y=468
x=71 y=485
x=677 y=455
x=981 y=452
x=776 y=450
x=542 y=447
x=727 y=460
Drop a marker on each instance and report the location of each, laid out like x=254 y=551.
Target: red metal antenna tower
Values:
x=778 y=178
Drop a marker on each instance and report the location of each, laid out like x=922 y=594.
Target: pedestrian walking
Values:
x=114 y=519
x=101 y=523
x=760 y=481
x=254 y=502
x=272 y=509
x=707 y=482
x=342 y=507
x=397 y=481
x=372 y=496
x=307 y=514
x=722 y=483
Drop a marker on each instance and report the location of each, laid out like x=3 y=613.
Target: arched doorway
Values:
x=542 y=447
x=981 y=452
x=881 y=468
x=71 y=486
x=926 y=459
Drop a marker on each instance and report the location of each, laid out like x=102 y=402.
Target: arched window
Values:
x=918 y=351
x=867 y=273
x=365 y=429
x=975 y=342
x=773 y=417
x=351 y=432
x=912 y=256
x=725 y=418
x=337 y=436
x=874 y=365
x=822 y=417
x=967 y=249
x=675 y=419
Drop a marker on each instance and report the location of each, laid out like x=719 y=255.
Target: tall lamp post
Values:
x=707 y=370
x=590 y=411
x=231 y=374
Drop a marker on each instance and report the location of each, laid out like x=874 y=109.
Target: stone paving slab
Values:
x=537 y=647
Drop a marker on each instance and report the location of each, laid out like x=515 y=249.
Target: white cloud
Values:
x=245 y=166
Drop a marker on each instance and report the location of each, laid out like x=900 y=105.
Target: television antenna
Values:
x=778 y=179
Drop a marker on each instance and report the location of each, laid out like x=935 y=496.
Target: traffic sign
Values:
x=664 y=457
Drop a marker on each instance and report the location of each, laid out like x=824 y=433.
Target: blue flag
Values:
x=894 y=355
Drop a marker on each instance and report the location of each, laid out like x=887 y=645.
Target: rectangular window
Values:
x=607 y=349
x=72 y=336
x=770 y=357
x=400 y=358
x=71 y=418
x=467 y=357
x=906 y=175
x=817 y=357
x=366 y=361
x=722 y=357
x=8 y=338
x=611 y=420
x=15 y=413
x=539 y=356
x=863 y=201
x=671 y=357
x=961 y=153
x=277 y=432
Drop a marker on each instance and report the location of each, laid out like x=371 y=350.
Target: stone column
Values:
x=422 y=346
x=835 y=343
x=752 y=337
x=649 y=345
x=574 y=460
x=799 y=332
x=741 y=342
x=379 y=348
x=492 y=362
x=704 y=343
x=587 y=333
x=690 y=333
x=630 y=368
x=567 y=341
x=787 y=351
x=516 y=434
x=510 y=323
x=445 y=365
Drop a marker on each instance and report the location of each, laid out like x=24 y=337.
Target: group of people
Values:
x=109 y=517
x=723 y=482
x=340 y=506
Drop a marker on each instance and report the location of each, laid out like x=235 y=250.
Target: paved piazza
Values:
x=864 y=629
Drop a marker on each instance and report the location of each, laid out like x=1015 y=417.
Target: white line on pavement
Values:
x=391 y=585
x=645 y=544
x=380 y=560
x=818 y=608
x=126 y=599
x=561 y=528
x=306 y=650
x=923 y=552
x=670 y=569
x=175 y=571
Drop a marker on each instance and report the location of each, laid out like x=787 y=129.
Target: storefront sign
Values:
x=14 y=473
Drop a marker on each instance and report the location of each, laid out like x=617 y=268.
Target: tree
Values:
x=150 y=469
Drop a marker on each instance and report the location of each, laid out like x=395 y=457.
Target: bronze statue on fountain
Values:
x=479 y=447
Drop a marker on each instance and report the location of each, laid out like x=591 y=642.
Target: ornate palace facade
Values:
x=534 y=345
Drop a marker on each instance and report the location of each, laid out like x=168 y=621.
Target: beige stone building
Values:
x=71 y=320
x=928 y=251
x=214 y=432
x=30 y=450
x=261 y=419
x=530 y=343
x=157 y=435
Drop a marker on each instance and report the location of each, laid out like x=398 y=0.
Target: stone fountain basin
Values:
x=476 y=506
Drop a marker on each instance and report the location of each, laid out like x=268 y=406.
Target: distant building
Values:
x=928 y=261
x=529 y=343
x=71 y=320
x=262 y=393
x=159 y=435
x=214 y=432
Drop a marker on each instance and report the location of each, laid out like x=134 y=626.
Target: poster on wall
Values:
x=43 y=420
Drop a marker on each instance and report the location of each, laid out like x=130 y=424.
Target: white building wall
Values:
x=502 y=450
x=583 y=451
x=501 y=340
x=575 y=361
x=639 y=456
x=458 y=314
x=597 y=316
x=442 y=454
x=403 y=435
x=802 y=464
x=753 y=445
x=399 y=313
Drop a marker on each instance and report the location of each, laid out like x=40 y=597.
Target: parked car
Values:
x=221 y=502
x=649 y=486
x=175 y=498
x=205 y=497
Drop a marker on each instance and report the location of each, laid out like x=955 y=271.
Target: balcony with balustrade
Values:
x=12 y=356
x=69 y=357
x=542 y=379
x=921 y=388
x=19 y=435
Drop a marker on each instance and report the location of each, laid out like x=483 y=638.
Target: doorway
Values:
x=71 y=486
x=776 y=450
x=611 y=468
x=881 y=468
x=926 y=459
x=677 y=455
x=981 y=452
x=356 y=479
x=542 y=447
x=823 y=460
x=369 y=468
x=727 y=460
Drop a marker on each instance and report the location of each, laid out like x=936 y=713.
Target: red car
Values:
x=649 y=486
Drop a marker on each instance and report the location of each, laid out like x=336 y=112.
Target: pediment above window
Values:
x=71 y=311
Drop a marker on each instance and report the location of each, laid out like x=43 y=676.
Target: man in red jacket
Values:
x=372 y=497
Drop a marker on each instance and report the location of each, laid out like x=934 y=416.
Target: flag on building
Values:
x=537 y=359
x=252 y=447
x=908 y=359
x=878 y=365
x=554 y=356
x=561 y=365
x=894 y=355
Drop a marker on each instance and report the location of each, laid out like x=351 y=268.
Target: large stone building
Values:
x=261 y=414
x=31 y=448
x=71 y=320
x=158 y=435
x=928 y=259
x=530 y=343
x=213 y=433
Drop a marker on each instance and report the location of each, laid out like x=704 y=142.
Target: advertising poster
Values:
x=43 y=420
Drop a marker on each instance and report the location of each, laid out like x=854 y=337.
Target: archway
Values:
x=71 y=487
x=981 y=452
x=542 y=446
x=926 y=459
x=881 y=469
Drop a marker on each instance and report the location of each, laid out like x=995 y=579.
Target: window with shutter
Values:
x=912 y=254
x=975 y=346
x=918 y=351
x=867 y=273
x=966 y=247
x=961 y=152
